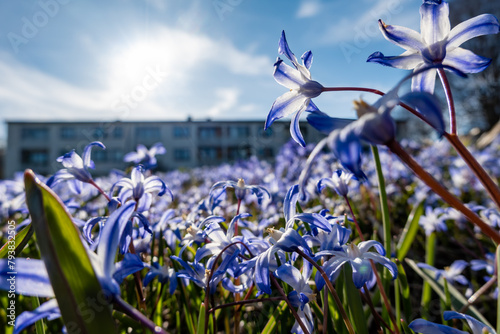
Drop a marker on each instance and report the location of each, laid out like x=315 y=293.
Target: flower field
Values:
x=360 y=233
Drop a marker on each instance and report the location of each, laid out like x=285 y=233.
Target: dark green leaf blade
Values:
x=84 y=306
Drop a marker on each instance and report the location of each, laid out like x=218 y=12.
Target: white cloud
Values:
x=308 y=8
x=152 y=79
x=227 y=99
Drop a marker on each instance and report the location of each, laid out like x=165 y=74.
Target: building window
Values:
x=68 y=132
x=239 y=152
x=99 y=155
x=207 y=154
x=38 y=157
x=182 y=154
x=115 y=155
x=35 y=133
x=238 y=132
x=147 y=134
x=266 y=153
x=181 y=132
x=209 y=132
x=99 y=134
x=118 y=132
x=266 y=133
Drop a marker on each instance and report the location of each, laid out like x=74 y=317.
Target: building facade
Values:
x=37 y=145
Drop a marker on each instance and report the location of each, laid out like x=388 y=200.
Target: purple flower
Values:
x=301 y=89
x=148 y=157
x=426 y=327
x=436 y=44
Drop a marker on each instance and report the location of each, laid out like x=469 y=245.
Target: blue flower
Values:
x=137 y=186
x=339 y=182
x=148 y=157
x=359 y=259
x=301 y=89
x=426 y=327
x=433 y=220
x=164 y=274
x=241 y=189
x=76 y=167
x=301 y=294
x=436 y=44
x=452 y=274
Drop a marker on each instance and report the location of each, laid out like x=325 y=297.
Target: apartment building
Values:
x=37 y=145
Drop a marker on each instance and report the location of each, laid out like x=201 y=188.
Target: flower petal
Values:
x=406 y=61
x=476 y=325
x=427 y=105
x=295 y=129
x=290 y=202
x=403 y=37
x=434 y=21
x=31 y=278
x=27 y=318
x=285 y=105
x=466 y=61
x=424 y=82
x=484 y=24
x=426 y=327
x=287 y=76
x=87 y=163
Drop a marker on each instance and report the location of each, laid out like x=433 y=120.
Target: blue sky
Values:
x=170 y=59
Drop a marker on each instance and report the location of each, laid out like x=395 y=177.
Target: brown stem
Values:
x=290 y=306
x=247 y=301
x=432 y=183
x=488 y=183
x=332 y=290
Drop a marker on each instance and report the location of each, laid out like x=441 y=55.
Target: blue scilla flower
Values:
x=452 y=274
x=339 y=182
x=436 y=43
x=137 y=186
x=300 y=295
x=164 y=274
x=147 y=157
x=433 y=220
x=488 y=264
x=76 y=167
x=426 y=327
x=32 y=278
x=359 y=258
x=301 y=89
x=241 y=189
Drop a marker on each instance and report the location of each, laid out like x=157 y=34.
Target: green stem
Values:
x=135 y=314
x=386 y=223
x=430 y=256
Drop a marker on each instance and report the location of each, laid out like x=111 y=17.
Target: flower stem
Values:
x=290 y=306
x=135 y=314
x=488 y=183
x=100 y=190
x=432 y=183
x=329 y=284
x=244 y=302
x=449 y=100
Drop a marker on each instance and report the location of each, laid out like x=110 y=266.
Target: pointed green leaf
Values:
x=273 y=319
x=83 y=304
x=457 y=299
x=409 y=232
x=20 y=240
x=356 y=312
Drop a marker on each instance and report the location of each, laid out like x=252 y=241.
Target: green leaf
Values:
x=409 y=232
x=457 y=299
x=20 y=240
x=201 y=320
x=404 y=288
x=356 y=312
x=84 y=306
x=271 y=324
